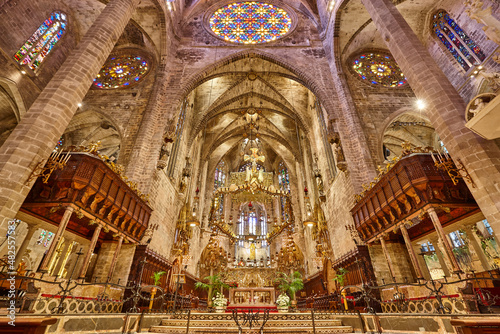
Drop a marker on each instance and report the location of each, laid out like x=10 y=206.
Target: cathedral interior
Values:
x=176 y=166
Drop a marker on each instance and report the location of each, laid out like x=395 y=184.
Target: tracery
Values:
x=250 y=22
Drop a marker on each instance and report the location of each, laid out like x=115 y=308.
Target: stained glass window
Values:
x=220 y=175
x=178 y=136
x=219 y=181
x=462 y=48
x=250 y=22
x=283 y=178
x=378 y=69
x=122 y=71
x=43 y=40
x=44 y=238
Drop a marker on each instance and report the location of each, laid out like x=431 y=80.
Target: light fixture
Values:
x=420 y=104
x=193 y=223
x=79 y=105
x=23 y=72
x=309 y=223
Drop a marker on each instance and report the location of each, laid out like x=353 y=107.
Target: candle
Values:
x=433 y=158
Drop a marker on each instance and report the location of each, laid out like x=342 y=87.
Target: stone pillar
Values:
x=20 y=252
x=477 y=247
x=388 y=258
x=115 y=257
x=57 y=238
x=442 y=237
x=86 y=259
x=438 y=248
x=34 y=138
x=445 y=108
x=411 y=252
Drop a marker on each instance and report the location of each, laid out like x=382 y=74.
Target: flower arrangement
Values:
x=283 y=300
x=232 y=284
x=219 y=300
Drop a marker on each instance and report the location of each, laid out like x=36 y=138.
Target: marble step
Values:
x=270 y=323
x=234 y=330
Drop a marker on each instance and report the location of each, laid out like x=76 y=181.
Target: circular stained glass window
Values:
x=378 y=69
x=250 y=22
x=122 y=71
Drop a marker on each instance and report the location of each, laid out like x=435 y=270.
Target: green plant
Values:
x=290 y=283
x=340 y=277
x=215 y=283
x=157 y=276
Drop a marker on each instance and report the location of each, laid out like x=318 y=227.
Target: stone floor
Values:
x=282 y=323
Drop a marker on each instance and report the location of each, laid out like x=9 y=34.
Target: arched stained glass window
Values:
x=250 y=22
x=283 y=178
x=249 y=165
x=220 y=181
x=43 y=40
x=220 y=175
x=178 y=136
x=44 y=238
x=466 y=52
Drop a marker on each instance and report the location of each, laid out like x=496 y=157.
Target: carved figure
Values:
x=492 y=78
x=483 y=16
x=477 y=104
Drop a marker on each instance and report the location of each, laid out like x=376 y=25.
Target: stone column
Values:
x=445 y=264
x=445 y=107
x=57 y=238
x=388 y=258
x=34 y=138
x=411 y=251
x=20 y=252
x=86 y=259
x=442 y=236
x=115 y=257
x=477 y=247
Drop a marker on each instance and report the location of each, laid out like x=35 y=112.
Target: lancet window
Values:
x=465 y=51
x=44 y=238
x=220 y=175
x=219 y=181
x=283 y=178
x=178 y=136
x=40 y=44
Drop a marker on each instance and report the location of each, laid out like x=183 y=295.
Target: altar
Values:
x=255 y=297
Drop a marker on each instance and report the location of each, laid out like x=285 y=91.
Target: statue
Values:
x=483 y=16
x=339 y=154
x=252 y=251
x=165 y=152
x=491 y=24
x=253 y=175
x=492 y=78
x=477 y=104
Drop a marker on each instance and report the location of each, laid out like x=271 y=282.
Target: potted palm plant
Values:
x=215 y=283
x=156 y=281
x=340 y=279
x=290 y=284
